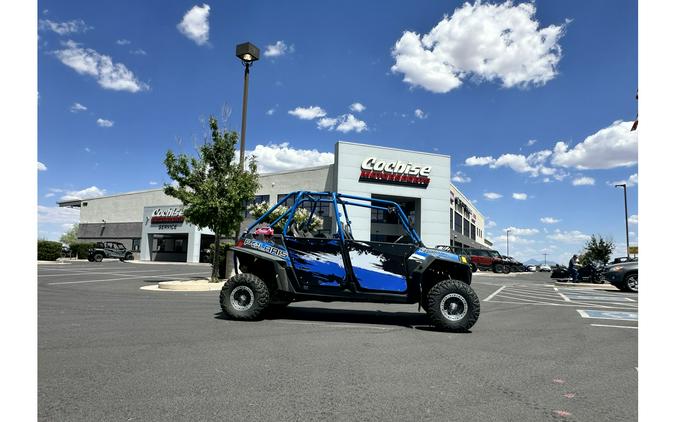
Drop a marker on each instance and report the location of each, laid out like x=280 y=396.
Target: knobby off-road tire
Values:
x=498 y=268
x=453 y=305
x=244 y=297
x=98 y=257
x=506 y=269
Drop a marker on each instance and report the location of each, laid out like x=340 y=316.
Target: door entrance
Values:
x=168 y=247
x=385 y=227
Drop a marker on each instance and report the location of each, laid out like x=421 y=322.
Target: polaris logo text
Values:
x=264 y=247
x=394 y=172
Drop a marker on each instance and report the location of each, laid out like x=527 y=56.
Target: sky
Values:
x=533 y=101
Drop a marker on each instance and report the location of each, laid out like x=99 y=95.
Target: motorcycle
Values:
x=590 y=273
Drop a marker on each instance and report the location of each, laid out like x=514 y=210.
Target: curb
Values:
x=202 y=285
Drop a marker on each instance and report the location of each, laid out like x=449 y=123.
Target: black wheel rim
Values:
x=241 y=298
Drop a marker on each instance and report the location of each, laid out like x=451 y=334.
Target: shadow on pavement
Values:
x=413 y=320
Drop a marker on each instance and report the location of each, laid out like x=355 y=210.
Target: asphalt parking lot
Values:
x=109 y=351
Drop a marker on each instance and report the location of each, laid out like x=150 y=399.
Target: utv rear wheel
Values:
x=498 y=268
x=453 y=305
x=98 y=257
x=244 y=296
x=506 y=269
x=129 y=256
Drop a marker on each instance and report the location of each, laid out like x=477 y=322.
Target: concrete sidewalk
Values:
x=199 y=285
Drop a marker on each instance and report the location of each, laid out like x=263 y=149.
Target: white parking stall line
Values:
x=538 y=295
x=629 y=299
x=96 y=272
x=487 y=299
x=565 y=298
x=615 y=326
x=175 y=277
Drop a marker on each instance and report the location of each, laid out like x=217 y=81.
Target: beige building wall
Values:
x=123 y=208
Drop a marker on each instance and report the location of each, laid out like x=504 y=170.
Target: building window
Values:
x=473 y=232
x=84 y=204
x=467 y=225
x=458 y=222
x=136 y=245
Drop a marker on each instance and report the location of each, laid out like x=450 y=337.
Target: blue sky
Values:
x=497 y=86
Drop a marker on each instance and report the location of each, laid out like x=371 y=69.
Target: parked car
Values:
x=623 y=259
x=532 y=268
x=623 y=275
x=294 y=263
x=545 y=268
x=481 y=259
x=109 y=250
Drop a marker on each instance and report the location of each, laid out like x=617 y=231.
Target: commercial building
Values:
x=152 y=224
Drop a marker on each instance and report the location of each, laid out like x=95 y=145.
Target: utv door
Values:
x=112 y=251
x=317 y=262
x=379 y=266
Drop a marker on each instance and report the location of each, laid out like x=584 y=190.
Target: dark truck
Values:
x=282 y=260
x=109 y=250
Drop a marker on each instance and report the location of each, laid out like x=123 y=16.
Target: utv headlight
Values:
x=463 y=259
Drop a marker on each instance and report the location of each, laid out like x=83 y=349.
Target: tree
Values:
x=70 y=236
x=212 y=186
x=597 y=249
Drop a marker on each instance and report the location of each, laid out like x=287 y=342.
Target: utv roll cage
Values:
x=337 y=200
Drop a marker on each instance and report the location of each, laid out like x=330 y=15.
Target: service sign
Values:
x=374 y=170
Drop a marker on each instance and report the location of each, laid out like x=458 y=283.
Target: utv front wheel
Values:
x=244 y=296
x=453 y=305
x=98 y=257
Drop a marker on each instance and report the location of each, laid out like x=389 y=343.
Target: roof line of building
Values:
x=296 y=170
x=395 y=149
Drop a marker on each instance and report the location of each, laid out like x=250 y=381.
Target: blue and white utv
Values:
x=284 y=257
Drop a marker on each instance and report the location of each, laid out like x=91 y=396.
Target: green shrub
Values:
x=48 y=251
x=80 y=250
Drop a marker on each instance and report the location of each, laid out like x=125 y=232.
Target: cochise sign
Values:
x=394 y=172
x=167 y=216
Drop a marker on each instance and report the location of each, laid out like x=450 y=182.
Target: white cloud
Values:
x=350 y=123
x=64 y=28
x=549 y=220
x=108 y=74
x=520 y=196
x=479 y=161
x=460 y=177
x=104 y=122
x=613 y=146
x=41 y=167
x=501 y=239
x=531 y=142
x=489 y=224
x=77 y=107
x=491 y=196
x=574 y=236
x=632 y=181
x=277 y=49
x=480 y=42
x=90 y=192
x=583 y=181
x=326 y=123
x=521 y=231
x=420 y=114
x=357 y=107
x=87 y=149
x=153 y=183
x=58 y=215
x=138 y=52
x=633 y=219
x=195 y=24
x=123 y=42
x=271 y=111
x=282 y=157
x=307 y=113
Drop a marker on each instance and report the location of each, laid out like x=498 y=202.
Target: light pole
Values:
x=625 y=210
x=247 y=53
x=507 y=242
x=545 y=255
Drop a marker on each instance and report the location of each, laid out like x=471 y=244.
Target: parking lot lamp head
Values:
x=247 y=53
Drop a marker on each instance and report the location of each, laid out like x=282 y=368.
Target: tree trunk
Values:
x=216 y=259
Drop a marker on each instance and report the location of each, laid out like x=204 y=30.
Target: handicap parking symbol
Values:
x=615 y=315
